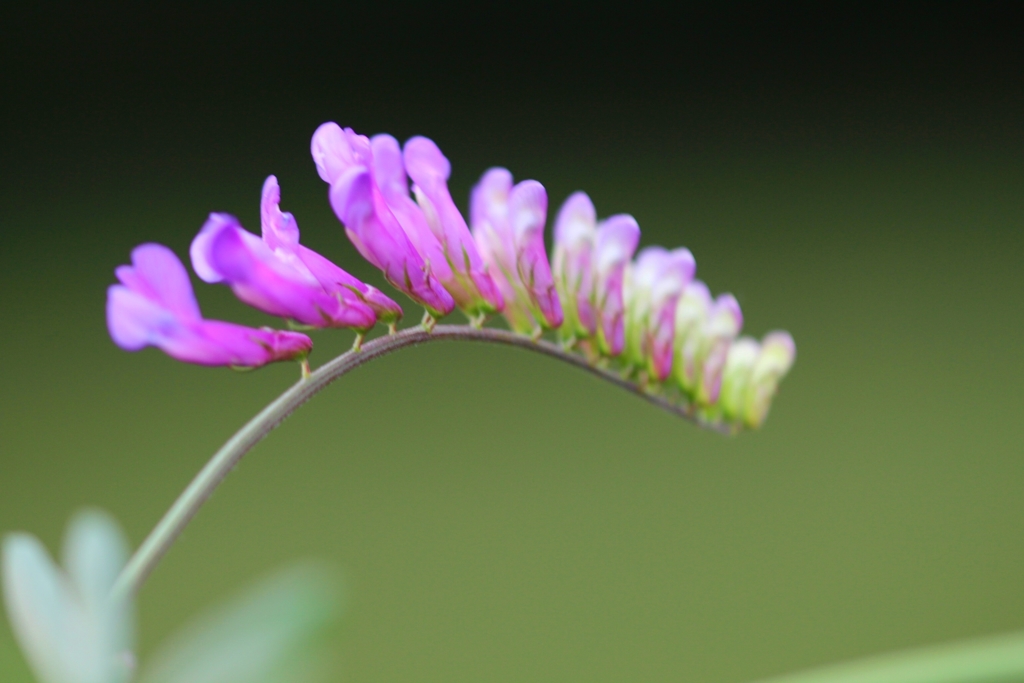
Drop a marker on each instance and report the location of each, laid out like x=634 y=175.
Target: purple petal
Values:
x=337 y=281
x=616 y=241
x=488 y=202
x=388 y=169
x=527 y=213
x=280 y=231
x=471 y=285
x=335 y=151
x=157 y=273
x=576 y=222
x=575 y=231
x=375 y=231
x=132 y=318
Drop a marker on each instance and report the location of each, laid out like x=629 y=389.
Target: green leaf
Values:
x=273 y=633
x=994 y=659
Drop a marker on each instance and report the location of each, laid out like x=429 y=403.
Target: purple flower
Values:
x=590 y=261
x=508 y=226
x=345 y=160
x=281 y=233
x=704 y=333
x=275 y=281
x=575 y=233
x=154 y=306
x=652 y=289
x=469 y=281
x=617 y=238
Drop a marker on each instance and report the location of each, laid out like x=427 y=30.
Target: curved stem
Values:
x=224 y=460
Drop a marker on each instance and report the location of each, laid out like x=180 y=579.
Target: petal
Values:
x=132 y=318
x=39 y=604
x=488 y=203
x=676 y=271
x=240 y=346
x=470 y=283
x=335 y=151
x=388 y=169
x=158 y=274
x=576 y=222
x=335 y=280
x=280 y=231
x=726 y=318
x=616 y=241
x=527 y=212
x=379 y=237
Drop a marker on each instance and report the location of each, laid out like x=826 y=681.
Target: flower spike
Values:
x=508 y=226
x=154 y=306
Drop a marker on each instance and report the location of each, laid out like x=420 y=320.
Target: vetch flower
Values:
x=653 y=285
x=281 y=234
x=508 y=226
x=345 y=161
x=154 y=306
x=617 y=239
x=704 y=331
x=269 y=274
x=575 y=232
x=469 y=281
x=739 y=365
x=778 y=351
x=65 y=621
x=589 y=264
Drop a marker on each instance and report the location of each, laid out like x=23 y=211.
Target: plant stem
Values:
x=224 y=460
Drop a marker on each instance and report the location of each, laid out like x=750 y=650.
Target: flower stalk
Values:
x=224 y=460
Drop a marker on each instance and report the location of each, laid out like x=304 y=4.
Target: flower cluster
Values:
x=643 y=311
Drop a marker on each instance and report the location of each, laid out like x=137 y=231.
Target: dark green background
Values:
x=855 y=177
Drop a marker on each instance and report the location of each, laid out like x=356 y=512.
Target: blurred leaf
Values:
x=273 y=633
x=68 y=629
x=984 y=660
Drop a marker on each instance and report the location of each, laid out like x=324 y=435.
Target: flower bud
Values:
x=653 y=286
x=778 y=351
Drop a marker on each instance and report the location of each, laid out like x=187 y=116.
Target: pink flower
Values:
x=655 y=282
x=468 y=279
x=275 y=281
x=705 y=330
x=345 y=160
x=281 y=233
x=154 y=306
x=575 y=232
x=508 y=226
x=590 y=261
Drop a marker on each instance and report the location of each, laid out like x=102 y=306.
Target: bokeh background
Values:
x=854 y=175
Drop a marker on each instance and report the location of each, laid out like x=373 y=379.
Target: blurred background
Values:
x=853 y=174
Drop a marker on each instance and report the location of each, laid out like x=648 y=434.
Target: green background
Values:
x=496 y=515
